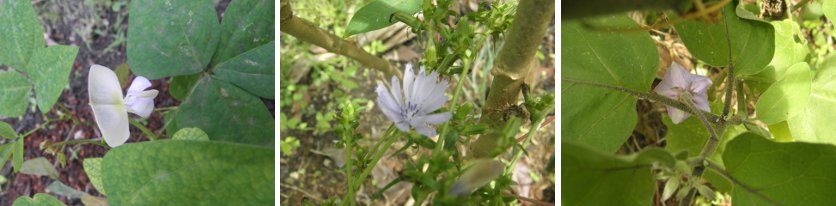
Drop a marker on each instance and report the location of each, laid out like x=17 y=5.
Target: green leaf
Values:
x=789 y=173
x=93 y=168
x=170 y=123
x=180 y=86
x=226 y=113
x=6 y=131
x=815 y=122
x=21 y=31
x=376 y=15
x=594 y=178
x=17 y=154
x=247 y=24
x=603 y=118
x=829 y=9
x=751 y=42
x=14 y=88
x=6 y=151
x=252 y=71
x=50 y=72
x=790 y=48
x=691 y=136
x=41 y=199
x=168 y=38
x=89 y=200
x=787 y=97
x=189 y=173
x=59 y=188
x=123 y=71
x=191 y=134
x=39 y=166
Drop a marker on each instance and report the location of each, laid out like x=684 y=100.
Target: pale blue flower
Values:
x=678 y=80
x=411 y=107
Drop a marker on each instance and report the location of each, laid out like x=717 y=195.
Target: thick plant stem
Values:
x=308 y=32
x=512 y=66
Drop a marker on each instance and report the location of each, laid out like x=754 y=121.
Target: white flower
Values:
x=411 y=106
x=110 y=109
x=678 y=80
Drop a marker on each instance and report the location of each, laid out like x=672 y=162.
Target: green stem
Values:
x=524 y=145
x=730 y=82
x=163 y=109
x=440 y=143
x=144 y=129
x=390 y=138
x=348 y=157
x=41 y=126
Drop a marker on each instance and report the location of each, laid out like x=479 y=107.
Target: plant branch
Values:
x=511 y=67
x=390 y=138
x=730 y=82
x=308 y=32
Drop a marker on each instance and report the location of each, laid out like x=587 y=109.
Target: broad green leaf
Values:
x=603 y=118
x=14 y=88
x=752 y=42
x=17 y=154
x=89 y=200
x=168 y=38
x=180 y=86
x=377 y=14
x=226 y=113
x=691 y=136
x=59 y=188
x=41 y=199
x=247 y=24
x=6 y=131
x=788 y=173
x=170 y=123
x=781 y=132
x=814 y=123
x=189 y=173
x=50 y=72
x=93 y=168
x=21 y=31
x=591 y=177
x=252 y=71
x=39 y=166
x=829 y=9
x=787 y=97
x=191 y=134
x=790 y=48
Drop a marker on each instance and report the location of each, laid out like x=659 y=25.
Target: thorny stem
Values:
x=730 y=82
x=645 y=95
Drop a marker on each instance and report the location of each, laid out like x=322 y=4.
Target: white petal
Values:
x=424 y=130
x=387 y=105
x=408 y=80
x=138 y=85
x=142 y=103
x=103 y=86
x=676 y=115
x=396 y=91
x=113 y=123
x=108 y=108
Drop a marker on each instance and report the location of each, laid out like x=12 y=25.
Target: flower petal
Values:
x=676 y=115
x=439 y=118
x=113 y=123
x=701 y=102
x=424 y=130
x=397 y=93
x=138 y=85
x=142 y=103
x=387 y=105
x=108 y=108
x=408 y=80
x=103 y=86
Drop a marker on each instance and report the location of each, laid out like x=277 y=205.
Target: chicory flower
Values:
x=110 y=109
x=678 y=80
x=410 y=107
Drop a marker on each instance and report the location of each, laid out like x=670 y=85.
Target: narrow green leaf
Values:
x=252 y=71
x=14 y=88
x=41 y=199
x=603 y=118
x=168 y=38
x=6 y=131
x=226 y=113
x=93 y=168
x=787 y=97
x=594 y=178
x=59 y=188
x=21 y=33
x=376 y=15
x=6 y=151
x=123 y=72
x=50 y=72
x=247 y=24
x=39 y=166
x=191 y=134
x=17 y=158
x=752 y=42
x=787 y=173
x=189 y=173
